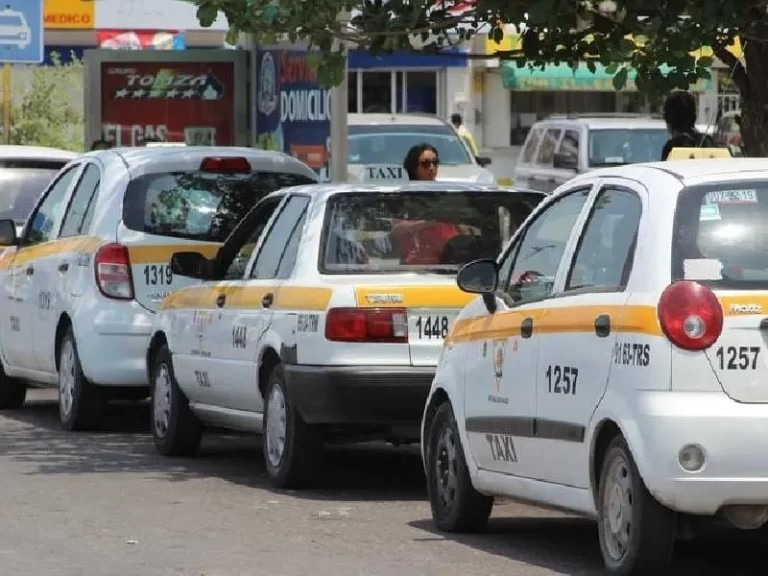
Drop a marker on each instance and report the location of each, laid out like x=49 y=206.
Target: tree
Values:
x=49 y=111
x=623 y=35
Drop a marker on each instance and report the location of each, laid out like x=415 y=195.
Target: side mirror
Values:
x=190 y=264
x=478 y=277
x=565 y=160
x=8 y=236
x=483 y=160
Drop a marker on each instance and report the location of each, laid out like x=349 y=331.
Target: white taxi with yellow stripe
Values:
x=82 y=281
x=322 y=316
x=616 y=364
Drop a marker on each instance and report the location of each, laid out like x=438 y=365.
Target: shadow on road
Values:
x=352 y=473
x=569 y=546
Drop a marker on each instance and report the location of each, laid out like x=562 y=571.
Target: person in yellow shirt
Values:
x=466 y=135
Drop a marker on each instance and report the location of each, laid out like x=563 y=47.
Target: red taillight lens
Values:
x=113 y=272
x=367 y=325
x=225 y=164
x=690 y=315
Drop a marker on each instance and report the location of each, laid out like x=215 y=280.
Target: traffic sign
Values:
x=21 y=31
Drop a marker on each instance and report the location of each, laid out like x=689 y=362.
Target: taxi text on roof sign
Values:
x=698 y=153
x=70 y=14
x=384 y=173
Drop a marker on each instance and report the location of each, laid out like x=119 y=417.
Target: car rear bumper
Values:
x=732 y=436
x=367 y=395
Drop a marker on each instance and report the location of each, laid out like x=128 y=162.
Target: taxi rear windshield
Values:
x=198 y=205
x=380 y=232
x=721 y=235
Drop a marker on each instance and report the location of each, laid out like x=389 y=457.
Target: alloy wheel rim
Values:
x=66 y=379
x=161 y=401
x=276 y=425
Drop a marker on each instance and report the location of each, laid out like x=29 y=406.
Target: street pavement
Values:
x=105 y=504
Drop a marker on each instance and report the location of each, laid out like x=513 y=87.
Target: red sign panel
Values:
x=191 y=102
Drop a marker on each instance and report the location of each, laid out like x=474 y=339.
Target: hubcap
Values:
x=446 y=467
x=617 y=508
x=276 y=425
x=161 y=401
x=66 y=379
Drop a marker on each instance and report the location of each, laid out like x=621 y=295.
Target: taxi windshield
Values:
x=721 y=235
x=386 y=232
x=198 y=205
x=21 y=186
x=388 y=143
x=614 y=147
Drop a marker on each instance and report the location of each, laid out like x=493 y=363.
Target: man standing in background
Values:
x=458 y=124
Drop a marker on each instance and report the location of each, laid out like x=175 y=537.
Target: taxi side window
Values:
x=236 y=269
x=78 y=218
x=606 y=248
x=49 y=212
x=529 y=273
x=280 y=247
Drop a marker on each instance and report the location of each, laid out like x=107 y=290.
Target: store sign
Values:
x=70 y=14
x=293 y=111
x=150 y=15
x=173 y=102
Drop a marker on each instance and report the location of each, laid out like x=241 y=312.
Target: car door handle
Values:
x=30 y=270
x=64 y=266
x=603 y=325
x=266 y=302
x=526 y=328
x=221 y=300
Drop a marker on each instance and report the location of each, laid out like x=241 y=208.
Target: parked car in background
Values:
x=562 y=146
x=91 y=266
x=384 y=139
x=25 y=171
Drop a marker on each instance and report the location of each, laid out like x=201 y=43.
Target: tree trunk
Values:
x=754 y=99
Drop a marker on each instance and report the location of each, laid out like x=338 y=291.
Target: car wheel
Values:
x=636 y=533
x=456 y=505
x=81 y=404
x=13 y=392
x=293 y=450
x=175 y=428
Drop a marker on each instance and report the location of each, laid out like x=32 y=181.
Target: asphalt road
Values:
x=104 y=504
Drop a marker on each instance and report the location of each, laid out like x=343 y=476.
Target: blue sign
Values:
x=293 y=111
x=21 y=31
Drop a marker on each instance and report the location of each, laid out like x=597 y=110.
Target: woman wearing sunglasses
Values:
x=421 y=162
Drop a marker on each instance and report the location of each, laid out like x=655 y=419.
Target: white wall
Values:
x=458 y=95
x=497 y=116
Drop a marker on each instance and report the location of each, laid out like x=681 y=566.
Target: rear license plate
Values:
x=430 y=326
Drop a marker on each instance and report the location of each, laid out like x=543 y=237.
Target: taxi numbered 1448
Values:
x=85 y=276
x=616 y=363
x=321 y=317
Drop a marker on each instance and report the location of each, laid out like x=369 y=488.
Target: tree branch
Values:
x=738 y=71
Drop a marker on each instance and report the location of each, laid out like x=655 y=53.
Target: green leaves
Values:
x=620 y=78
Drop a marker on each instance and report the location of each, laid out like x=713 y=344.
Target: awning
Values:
x=562 y=77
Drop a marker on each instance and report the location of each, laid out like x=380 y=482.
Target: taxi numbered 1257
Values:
x=84 y=278
x=616 y=364
x=321 y=317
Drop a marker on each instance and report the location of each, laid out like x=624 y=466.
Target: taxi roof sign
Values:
x=384 y=173
x=698 y=153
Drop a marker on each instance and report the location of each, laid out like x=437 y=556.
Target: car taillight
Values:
x=367 y=325
x=225 y=164
x=113 y=272
x=690 y=315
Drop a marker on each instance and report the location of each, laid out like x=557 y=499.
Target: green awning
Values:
x=562 y=77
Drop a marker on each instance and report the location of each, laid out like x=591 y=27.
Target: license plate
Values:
x=429 y=325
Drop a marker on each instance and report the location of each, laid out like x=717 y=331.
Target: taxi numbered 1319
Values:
x=616 y=364
x=321 y=317
x=84 y=278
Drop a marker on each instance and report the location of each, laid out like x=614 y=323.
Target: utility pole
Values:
x=339 y=109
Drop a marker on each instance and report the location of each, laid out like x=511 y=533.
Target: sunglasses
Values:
x=428 y=163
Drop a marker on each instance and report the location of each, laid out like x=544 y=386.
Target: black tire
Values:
x=651 y=529
x=460 y=508
x=84 y=409
x=303 y=448
x=13 y=392
x=176 y=431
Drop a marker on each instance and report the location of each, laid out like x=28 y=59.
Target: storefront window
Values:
x=422 y=92
x=377 y=92
x=352 y=92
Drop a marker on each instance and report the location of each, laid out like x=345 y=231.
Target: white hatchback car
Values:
x=83 y=279
x=616 y=364
x=322 y=316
